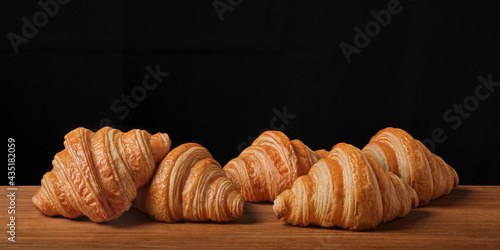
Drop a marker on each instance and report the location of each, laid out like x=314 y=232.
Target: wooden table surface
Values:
x=469 y=217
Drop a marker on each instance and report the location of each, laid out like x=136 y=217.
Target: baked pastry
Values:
x=270 y=165
x=97 y=174
x=347 y=190
x=190 y=185
x=397 y=151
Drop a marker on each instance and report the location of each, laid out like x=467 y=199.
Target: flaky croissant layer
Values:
x=190 y=185
x=345 y=189
x=97 y=174
x=270 y=165
x=397 y=151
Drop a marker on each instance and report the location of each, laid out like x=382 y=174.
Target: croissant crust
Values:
x=190 y=185
x=397 y=151
x=270 y=165
x=345 y=189
x=97 y=174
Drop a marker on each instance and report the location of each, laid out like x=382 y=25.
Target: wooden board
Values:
x=469 y=217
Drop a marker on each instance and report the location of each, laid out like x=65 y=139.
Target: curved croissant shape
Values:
x=270 y=165
x=345 y=189
x=397 y=151
x=190 y=185
x=97 y=174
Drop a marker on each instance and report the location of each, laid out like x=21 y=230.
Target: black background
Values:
x=226 y=77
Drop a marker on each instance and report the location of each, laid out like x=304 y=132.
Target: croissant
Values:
x=397 y=151
x=270 y=165
x=345 y=189
x=97 y=174
x=190 y=185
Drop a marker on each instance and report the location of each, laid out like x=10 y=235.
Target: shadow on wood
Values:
x=454 y=197
x=414 y=217
x=249 y=215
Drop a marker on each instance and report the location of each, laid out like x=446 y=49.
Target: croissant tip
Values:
x=279 y=208
x=237 y=209
x=36 y=203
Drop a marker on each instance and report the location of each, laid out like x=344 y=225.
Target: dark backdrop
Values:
x=230 y=69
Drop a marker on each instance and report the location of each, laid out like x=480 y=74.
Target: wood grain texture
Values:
x=469 y=217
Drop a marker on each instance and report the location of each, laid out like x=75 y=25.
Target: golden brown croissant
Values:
x=396 y=151
x=345 y=189
x=190 y=185
x=97 y=174
x=270 y=165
